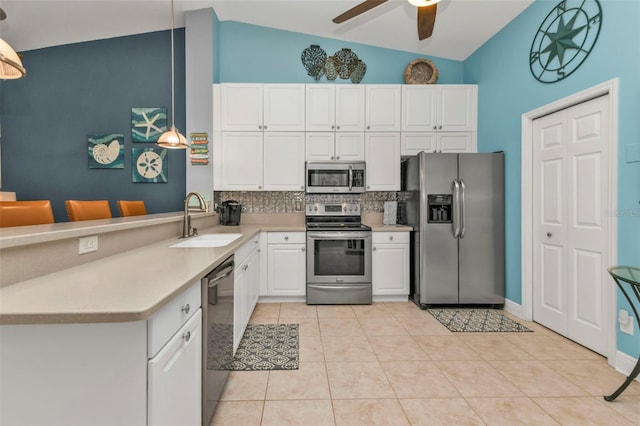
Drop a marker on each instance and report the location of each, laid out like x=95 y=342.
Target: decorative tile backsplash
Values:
x=294 y=202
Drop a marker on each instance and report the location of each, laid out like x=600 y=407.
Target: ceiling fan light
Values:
x=172 y=139
x=423 y=3
x=10 y=63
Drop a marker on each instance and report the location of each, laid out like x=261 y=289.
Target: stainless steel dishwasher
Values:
x=217 y=335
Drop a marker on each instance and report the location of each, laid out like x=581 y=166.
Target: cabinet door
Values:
x=242 y=161
x=319 y=146
x=286 y=269
x=320 y=112
x=283 y=107
x=175 y=378
x=350 y=146
x=284 y=161
x=349 y=108
x=457 y=105
x=382 y=152
x=252 y=283
x=415 y=142
x=241 y=107
x=390 y=269
x=419 y=108
x=382 y=108
x=456 y=142
x=239 y=305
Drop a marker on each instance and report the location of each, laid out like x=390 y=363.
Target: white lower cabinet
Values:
x=174 y=378
x=246 y=287
x=390 y=263
x=123 y=373
x=286 y=264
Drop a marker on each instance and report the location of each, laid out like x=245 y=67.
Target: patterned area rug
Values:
x=267 y=347
x=476 y=320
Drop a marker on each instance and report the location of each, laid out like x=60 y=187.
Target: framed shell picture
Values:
x=147 y=124
x=106 y=151
x=149 y=165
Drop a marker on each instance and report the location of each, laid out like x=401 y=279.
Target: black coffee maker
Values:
x=229 y=212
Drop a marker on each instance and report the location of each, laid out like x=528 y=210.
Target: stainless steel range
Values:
x=338 y=255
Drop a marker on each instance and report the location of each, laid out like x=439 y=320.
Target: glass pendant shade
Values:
x=172 y=139
x=10 y=63
x=423 y=3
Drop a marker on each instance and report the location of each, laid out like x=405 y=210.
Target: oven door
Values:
x=338 y=257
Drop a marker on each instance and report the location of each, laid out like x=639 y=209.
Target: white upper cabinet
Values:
x=241 y=107
x=383 y=107
x=242 y=161
x=331 y=107
x=382 y=151
x=414 y=142
x=283 y=107
x=262 y=107
x=328 y=146
x=284 y=161
x=446 y=108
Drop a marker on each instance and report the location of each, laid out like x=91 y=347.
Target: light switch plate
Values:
x=87 y=244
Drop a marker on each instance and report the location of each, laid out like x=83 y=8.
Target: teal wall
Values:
x=507 y=90
x=254 y=54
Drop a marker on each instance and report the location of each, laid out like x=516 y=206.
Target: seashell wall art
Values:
x=344 y=64
x=106 y=151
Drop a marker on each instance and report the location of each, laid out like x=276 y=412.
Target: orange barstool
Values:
x=131 y=208
x=87 y=210
x=21 y=213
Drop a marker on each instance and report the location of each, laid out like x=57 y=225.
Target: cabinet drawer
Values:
x=169 y=319
x=247 y=248
x=286 y=237
x=390 y=237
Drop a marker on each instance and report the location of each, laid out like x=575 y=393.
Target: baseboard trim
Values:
x=514 y=308
x=624 y=364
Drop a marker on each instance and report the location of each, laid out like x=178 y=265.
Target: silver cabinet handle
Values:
x=439 y=127
x=332 y=157
x=186 y=308
x=374 y=249
x=337 y=158
x=435 y=127
x=302 y=187
x=368 y=127
x=187 y=336
x=286 y=237
x=303 y=249
x=391 y=237
x=255 y=241
x=245 y=267
x=259 y=187
x=549 y=235
x=264 y=127
x=337 y=127
x=259 y=127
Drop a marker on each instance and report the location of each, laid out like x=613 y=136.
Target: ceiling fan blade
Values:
x=357 y=10
x=426 y=21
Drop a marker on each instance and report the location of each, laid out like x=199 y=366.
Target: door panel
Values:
x=570 y=180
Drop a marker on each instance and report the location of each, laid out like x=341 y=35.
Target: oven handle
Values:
x=340 y=236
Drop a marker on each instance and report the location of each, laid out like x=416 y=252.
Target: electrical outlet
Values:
x=626 y=322
x=88 y=244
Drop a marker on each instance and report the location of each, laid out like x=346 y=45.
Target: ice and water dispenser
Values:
x=440 y=208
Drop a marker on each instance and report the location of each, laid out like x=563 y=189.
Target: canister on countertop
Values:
x=390 y=212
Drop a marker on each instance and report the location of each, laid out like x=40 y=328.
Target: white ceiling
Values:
x=461 y=26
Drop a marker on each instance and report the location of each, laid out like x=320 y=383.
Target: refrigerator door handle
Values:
x=455 y=224
x=462 y=209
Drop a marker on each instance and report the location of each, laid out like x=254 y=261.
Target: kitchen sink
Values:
x=207 y=240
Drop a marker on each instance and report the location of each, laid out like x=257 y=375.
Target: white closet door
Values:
x=570 y=233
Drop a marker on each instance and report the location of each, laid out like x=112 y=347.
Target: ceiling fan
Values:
x=426 y=14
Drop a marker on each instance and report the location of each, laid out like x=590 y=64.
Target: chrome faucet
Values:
x=187 y=229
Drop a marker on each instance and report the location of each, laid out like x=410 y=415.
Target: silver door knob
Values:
x=549 y=234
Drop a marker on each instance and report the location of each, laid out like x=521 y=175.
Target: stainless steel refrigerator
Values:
x=455 y=204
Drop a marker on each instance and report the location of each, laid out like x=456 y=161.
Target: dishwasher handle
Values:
x=218 y=274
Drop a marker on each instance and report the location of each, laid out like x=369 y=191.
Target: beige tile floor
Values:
x=393 y=364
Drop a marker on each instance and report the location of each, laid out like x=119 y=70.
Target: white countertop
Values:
x=129 y=286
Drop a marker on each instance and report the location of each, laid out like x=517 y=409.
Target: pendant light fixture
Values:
x=10 y=63
x=172 y=138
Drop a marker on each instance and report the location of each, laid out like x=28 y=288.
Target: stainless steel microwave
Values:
x=330 y=177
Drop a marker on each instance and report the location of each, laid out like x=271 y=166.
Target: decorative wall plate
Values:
x=420 y=71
